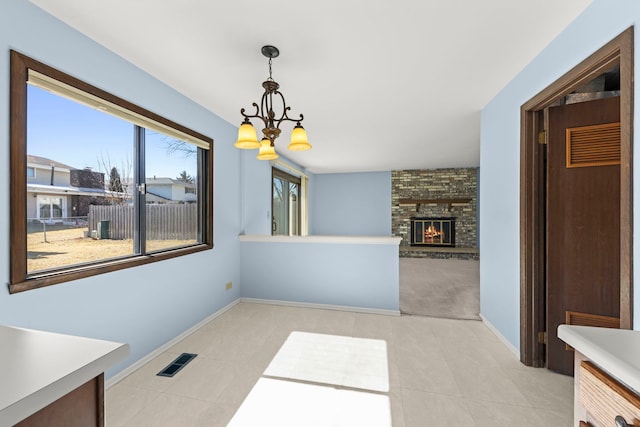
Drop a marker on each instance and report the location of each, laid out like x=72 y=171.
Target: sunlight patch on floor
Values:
x=330 y=359
x=326 y=364
x=290 y=404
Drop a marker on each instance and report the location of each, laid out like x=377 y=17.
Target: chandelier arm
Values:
x=288 y=119
x=285 y=116
x=257 y=114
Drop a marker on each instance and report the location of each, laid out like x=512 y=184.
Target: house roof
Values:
x=383 y=85
x=37 y=160
x=167 y=181
x=152 y=197
x=68 y=191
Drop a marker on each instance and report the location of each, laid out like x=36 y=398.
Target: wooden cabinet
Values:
x=607 y=375
x=82 y=407
x=52 y=379
x=605 y=398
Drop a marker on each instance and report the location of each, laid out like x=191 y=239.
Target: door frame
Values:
x=532 y=192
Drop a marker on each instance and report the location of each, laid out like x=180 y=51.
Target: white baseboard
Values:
x=323 y=306
x=155 y=353
x=501 y=337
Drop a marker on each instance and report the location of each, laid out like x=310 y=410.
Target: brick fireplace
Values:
x=435 y=212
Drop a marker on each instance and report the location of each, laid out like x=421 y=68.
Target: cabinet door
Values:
x=82 y=407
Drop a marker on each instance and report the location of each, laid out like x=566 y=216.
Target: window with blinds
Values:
x=99 y=183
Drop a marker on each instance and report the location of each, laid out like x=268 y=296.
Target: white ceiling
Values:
x=383 y=85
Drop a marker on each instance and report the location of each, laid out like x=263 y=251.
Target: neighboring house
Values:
x=169 y=190
x=56 y=191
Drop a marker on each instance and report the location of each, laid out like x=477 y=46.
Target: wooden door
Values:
x=583 y=219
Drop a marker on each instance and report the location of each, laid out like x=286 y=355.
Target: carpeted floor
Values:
x=447 y=288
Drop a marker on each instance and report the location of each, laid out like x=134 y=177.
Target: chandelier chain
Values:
x=270 y=78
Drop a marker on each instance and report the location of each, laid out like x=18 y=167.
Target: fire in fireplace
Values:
x=433 y=231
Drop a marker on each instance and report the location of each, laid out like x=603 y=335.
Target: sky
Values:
x=79 y=136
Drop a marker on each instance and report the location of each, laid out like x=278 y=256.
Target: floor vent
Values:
x=176 y=365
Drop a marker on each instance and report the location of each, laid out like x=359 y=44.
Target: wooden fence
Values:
x=164 y=222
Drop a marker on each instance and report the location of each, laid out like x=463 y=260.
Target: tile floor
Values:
x=441 y=372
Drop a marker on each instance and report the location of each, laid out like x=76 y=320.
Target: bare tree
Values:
x=122 y=193
x=175 y=146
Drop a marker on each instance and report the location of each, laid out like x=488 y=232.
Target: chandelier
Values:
x=247 y=136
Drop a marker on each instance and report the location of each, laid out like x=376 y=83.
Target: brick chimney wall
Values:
x=455 y=183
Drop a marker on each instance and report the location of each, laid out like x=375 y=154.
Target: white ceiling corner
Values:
x=382 y=85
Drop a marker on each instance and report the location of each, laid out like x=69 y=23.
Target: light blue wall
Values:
x=344 y=274
x=256 y=194
x=352 y=204
x=500 y=158
x=143 y=306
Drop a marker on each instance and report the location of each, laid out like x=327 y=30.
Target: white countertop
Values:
x=616 y=351
x=40 y=367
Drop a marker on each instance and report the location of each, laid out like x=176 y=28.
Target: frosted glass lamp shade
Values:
x=299 y=140
x=247 y=138
x=267 y=151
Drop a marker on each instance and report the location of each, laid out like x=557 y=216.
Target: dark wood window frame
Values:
x=619 y=50
x=275 y=172
x=19 y=279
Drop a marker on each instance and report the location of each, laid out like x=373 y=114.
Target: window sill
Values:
x=47 y=278
x=350 y=240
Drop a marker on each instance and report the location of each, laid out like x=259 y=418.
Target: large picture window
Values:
x=98 y=183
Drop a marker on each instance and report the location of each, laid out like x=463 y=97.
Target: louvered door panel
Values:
x=597 y=145
x=588 y=319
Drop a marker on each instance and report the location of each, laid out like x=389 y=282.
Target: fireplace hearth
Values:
x=433 y=232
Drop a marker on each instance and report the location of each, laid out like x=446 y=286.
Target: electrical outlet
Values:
x=229 y=285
